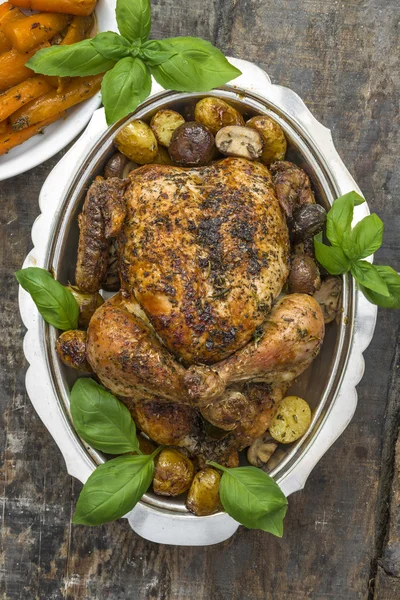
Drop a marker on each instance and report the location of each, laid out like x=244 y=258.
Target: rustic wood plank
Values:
x=386 y=586
x=341 y=58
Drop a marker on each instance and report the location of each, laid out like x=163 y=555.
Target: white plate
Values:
x=58 y=135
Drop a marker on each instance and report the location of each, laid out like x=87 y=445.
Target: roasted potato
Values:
x=88 y=304
x=115 y=165
x=308 y=220
x=236 y=140
x=304 y=277
x=215 y=113
x=138 y=142
x=164 y=124
x=162 y=157
x=328 y=297
x=275 y=144
x=203 y=496
x=173 y=473
x=291 y=421
x=192 y=145
x=71 y=349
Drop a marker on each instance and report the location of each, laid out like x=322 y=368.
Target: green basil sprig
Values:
x=102 y=420
x=252 y=498
x=55 y=303
x=114 y=488
x=186 y=64
x=379 y=284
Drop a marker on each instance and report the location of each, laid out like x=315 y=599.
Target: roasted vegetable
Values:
x=77 y=30
x=261 y=450
x=292 y=186
x=71 y=349
x=19 y=95
x=203 y=496
x=304 y=277
x=236 y=140
x=192 y=145
x=275 y=143
x=115 y=165
x=162 y=157
x=9 y=138
x=173 y=473
x=291 y=421
x=25 y=34
x=164 y=124
x=70 y=7
x=13 y=69
x=215 y=113
x=308 y=220
x=88 y=304
x=137 y=141
x=328 y=297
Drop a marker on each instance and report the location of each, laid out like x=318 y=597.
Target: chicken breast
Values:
x=205 y=251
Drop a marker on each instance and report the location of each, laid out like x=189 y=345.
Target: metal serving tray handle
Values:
x=159 y=525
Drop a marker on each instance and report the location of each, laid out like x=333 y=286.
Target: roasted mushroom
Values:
x=71 y=349
x=192 y=145
x=173 y=473
x=261 y=450
x=137 y=141
x=88 y=304
x=203 y=496
x=164 y=124
x=115 y=165
x=273 y=138
x=328 y=297
x=227 y=411
x=292 y=186
x=239 y=141
x=215 y=113
x=304 y=277
x=308 y=220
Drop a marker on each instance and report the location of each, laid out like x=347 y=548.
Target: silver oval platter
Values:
x=329 y=385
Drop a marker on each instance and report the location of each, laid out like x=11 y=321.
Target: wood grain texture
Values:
x=341 y=58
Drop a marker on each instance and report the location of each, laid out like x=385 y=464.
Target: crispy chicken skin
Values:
x=205 y=252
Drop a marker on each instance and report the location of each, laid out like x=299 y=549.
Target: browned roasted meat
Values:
x=101 y=219
x=205 y=251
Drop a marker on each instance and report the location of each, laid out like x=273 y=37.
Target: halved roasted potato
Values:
x=203 y=496
x=138 y=142
x=164 y=124
x=215 y=113
x=291 y=421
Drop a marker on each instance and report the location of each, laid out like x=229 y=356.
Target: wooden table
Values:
x=342 y=58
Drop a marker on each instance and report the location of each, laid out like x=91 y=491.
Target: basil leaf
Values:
x=55 y=303
x=156 y=52
x=340 y=216
x=392 y=280
x=134 y=19
x=113 y=489
x=78 y=59
x=102 y=420
x=197 y=66
x=332 y=258
x=367 y=236
x=252 y=498
x=111 y=45
x=124 y=87
x=368 y=276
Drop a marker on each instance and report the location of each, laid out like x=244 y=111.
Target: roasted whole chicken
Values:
x=198 y=339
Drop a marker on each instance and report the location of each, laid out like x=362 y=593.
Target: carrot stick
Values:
x=4 y=43
x=8 y=13
x=27 y=33
x=71 y=7
x=51 y=103
x=13 y=69
x=21 y=94
x=78 y=29
x=11 y=138
x=3 y=126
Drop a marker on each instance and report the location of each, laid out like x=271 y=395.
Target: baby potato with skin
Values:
x=215 y=113
x=275 y=144
x=164 y=124
x=173 y=473
x=203 y=496
x=291 y=421
x=138 y=142
x=88 y=304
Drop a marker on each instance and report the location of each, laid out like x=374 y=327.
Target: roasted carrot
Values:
x=11 y=138
x=78 y=30
x=8 y=13
x=3 y=126
x=70 y=7
x=31 y=31
x=51 y=103
x=19 y=95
